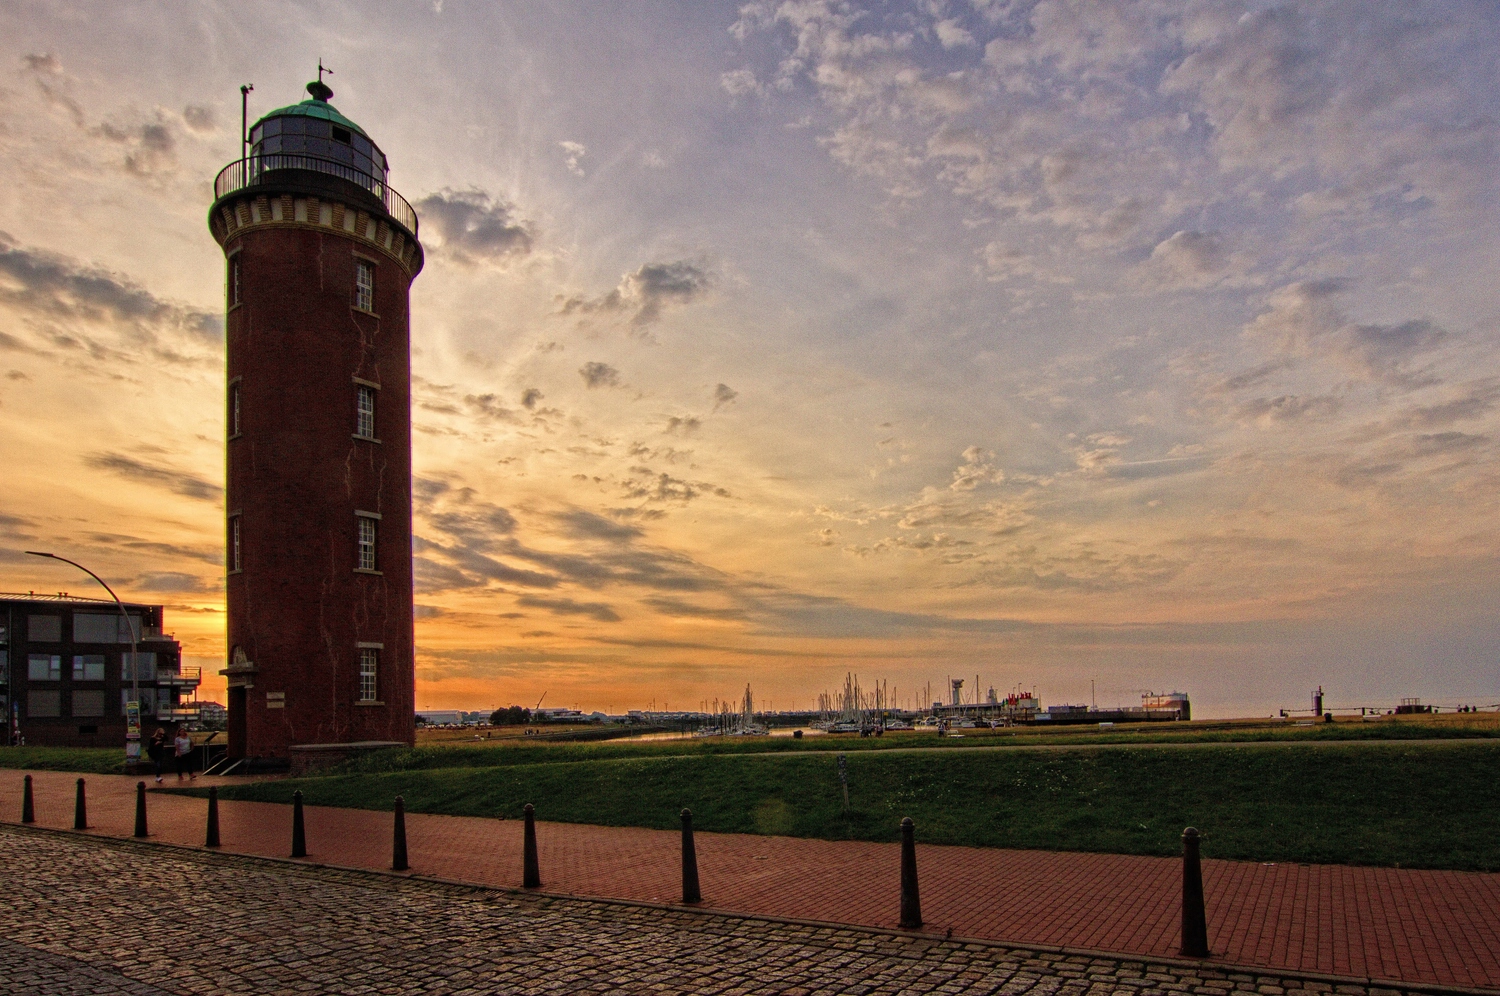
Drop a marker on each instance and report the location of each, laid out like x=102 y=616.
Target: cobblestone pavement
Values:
x=1419 y=927
x=86 y=915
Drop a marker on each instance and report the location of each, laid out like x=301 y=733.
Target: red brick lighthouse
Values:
x=320 y=253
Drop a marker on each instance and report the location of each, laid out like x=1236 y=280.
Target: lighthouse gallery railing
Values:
x=243 y=173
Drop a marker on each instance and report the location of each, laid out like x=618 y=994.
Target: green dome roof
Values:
x=315 y=109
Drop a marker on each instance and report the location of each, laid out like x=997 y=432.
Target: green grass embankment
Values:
x=86 y=760
x=516 y=750
x=1380 y=804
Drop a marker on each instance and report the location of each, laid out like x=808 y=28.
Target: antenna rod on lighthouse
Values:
x=245 y=119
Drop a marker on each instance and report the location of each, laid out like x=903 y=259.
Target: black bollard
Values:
x=28 y=808
x=80 y=810
x=1194 y=922
x=531 y=876
x=140 y=809
x=398 y=845
x=211 y=839
x=690 y=891
x=911 y=904
x=299 y=835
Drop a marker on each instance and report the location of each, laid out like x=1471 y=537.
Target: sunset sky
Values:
x=1152 y=344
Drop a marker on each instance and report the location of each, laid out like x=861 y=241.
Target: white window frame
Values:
x=364 y=410
x=367 y=542
x=235 y=293
x=369 y=674
x=364 y=284
x=234 y=408
x=236 y=544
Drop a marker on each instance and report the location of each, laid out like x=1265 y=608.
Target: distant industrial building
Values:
x=66 y=671
x=1154 y=707
x=1024 y=708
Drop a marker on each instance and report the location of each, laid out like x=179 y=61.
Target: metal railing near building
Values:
x=245 y=173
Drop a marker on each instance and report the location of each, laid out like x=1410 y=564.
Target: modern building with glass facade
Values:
x=66 y=671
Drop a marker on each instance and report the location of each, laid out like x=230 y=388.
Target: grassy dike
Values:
x=85 y=760
x=1394 y=803
x=519 y=750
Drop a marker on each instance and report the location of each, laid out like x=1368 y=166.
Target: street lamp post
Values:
x=132 y=734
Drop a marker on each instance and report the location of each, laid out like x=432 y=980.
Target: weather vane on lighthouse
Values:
x=321 y=91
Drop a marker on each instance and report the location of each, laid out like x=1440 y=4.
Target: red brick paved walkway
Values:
x=1430 y=927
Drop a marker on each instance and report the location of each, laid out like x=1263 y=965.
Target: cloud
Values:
x=154 y=147
x=573 y=153
x=177 y=582
x=691 y=610
x=1465 y=403
x=47 y=72
x=951 y=34
x=646 y=292
x=1267 y=412
x=1188 y=259
x=530 y=397
x=52 y=286
x=975 y=470
x=1003 y=262
x=598 y=611
x=199 y=119
x=178 y=482
x=738 y=82
x=684 y=425
x=208 y=555
x=475 y=534
x=596 y=374
x=645 y=484
x=1441 y=443
x=1303 y=320
x=723 y=395
x=587 y=525
x=472 y=227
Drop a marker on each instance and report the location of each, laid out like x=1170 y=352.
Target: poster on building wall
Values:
x=132 y=731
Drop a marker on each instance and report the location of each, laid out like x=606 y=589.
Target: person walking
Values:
x=156 y=749
x=184 y=748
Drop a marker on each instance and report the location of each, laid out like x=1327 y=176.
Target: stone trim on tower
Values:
x=247 y=212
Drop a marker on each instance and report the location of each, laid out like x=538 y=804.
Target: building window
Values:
x=364 y=412
x=88 y=703
x=235 y=563
x=147 y=662
x=104 y=627
x=366 y=543
x=44 y=667
x=89 y=667
x=364 y=285
x=43 y=705
x=44 y=629
x=234 y=409
x=234 y=280
x=369 y=665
